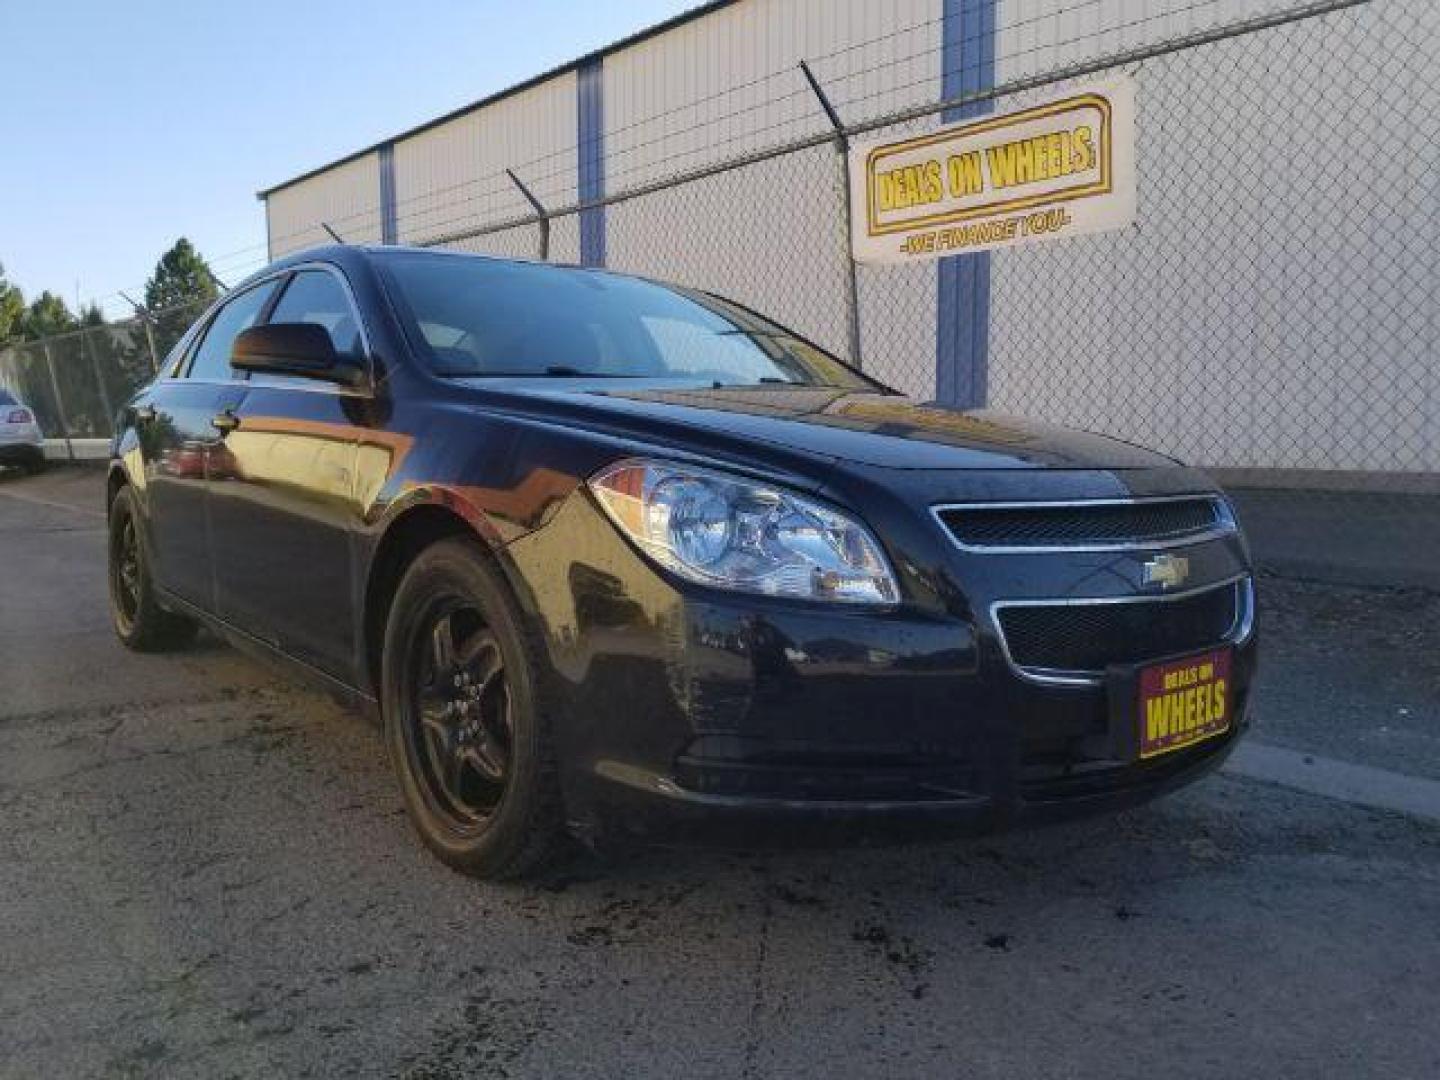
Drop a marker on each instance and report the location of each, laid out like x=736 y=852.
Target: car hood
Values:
x=880 y=430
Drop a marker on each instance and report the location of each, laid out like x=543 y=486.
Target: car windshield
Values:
x=484 y=317
x=7 y=398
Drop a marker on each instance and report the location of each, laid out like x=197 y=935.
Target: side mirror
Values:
x=302 y=349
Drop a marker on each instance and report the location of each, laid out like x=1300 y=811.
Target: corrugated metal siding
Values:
x=772 y=235
x=1247 y=341
x=1249 y=317
x=348 y=197
x=729 y=83
x=452 y=177
x=1045 y=35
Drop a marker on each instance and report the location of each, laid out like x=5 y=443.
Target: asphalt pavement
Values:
x=206 y=872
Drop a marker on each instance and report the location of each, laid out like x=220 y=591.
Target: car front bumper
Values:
x=682 y=717
x=657 y=810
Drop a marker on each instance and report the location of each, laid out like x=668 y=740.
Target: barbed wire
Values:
x=500 y=185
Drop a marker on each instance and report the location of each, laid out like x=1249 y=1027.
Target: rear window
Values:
x=7 y=398
x=484 y=317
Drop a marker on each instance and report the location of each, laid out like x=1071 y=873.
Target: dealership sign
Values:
x=1055 y=169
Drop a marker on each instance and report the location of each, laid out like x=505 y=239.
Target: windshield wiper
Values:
x=565 y=371
x=554 y=371
x=763 y=380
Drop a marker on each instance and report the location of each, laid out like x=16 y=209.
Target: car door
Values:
x=176 y=425
x=285 y=512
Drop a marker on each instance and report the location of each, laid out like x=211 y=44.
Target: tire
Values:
x=139 y=620
x=465 y=720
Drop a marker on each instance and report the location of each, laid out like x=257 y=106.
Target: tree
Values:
x=46 y=316
x=182 y=285
x=12 y=309
x=182 y=276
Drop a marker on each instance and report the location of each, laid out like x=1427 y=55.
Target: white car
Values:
x=21 y=442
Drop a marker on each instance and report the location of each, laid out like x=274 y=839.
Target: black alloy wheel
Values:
x=125 y=570
x=462 y=699
x=462 y=703
x=139 y=620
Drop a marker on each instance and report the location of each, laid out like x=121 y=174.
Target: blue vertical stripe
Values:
x=389 y=230
x=962 y=331
x=590 y=88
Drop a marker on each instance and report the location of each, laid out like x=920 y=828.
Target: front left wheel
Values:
x=465 y=719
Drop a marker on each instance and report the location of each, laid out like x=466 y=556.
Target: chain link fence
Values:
x=1270 y=315
x=75 y=382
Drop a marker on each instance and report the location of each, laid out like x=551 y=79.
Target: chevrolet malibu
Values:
x=614 y=559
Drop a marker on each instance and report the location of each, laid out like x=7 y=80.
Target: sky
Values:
x=132 y=124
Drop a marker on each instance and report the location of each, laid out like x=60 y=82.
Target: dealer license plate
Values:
x=1183 y=702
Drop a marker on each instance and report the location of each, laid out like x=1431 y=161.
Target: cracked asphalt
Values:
x=206 y=872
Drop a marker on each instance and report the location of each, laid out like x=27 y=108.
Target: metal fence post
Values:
x=842 y=147
x=59 y=400
x=99 y=381
x=150 y=342
x=542 y=216
x=143 y=315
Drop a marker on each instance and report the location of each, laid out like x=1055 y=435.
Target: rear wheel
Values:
x=139 y=620
x=464 y=720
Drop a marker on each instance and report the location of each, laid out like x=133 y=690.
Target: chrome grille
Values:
x=1076 y=640
x=1085 y=526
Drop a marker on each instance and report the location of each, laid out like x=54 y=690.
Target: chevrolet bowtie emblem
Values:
x=1167 y=571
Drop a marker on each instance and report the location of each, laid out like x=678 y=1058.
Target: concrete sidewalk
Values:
x=1373 y=538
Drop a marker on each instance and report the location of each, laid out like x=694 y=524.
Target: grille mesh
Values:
x=1090 y=637
x=1066 y=526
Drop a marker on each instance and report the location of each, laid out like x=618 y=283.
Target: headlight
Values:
x=733 y=533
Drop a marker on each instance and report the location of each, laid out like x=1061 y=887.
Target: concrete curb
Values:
x=80 y=451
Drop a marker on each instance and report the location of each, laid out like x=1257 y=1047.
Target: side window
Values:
x=212 y=358
x=316 y=296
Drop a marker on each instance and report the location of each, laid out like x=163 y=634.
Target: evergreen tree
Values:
x=179 y=290
x=12 y=310
x=182 y=276
x=47 y=316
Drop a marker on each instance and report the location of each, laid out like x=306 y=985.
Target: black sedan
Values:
x=615 y=559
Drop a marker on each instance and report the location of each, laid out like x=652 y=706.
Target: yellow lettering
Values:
x=1157 y=718
x=885 y=191
x=966 y=177
x=1002 y=164
x=934 y=190
x=1082 y=151
x=1055 y=155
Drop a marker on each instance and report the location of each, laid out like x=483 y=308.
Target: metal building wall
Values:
x=450 y=176
x=729 y=84
x=721 y=85
x=346 y=196
x=1232 y=324
x=1255 y=326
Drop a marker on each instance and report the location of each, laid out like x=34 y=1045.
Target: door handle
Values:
x=145 y=414
x=226 y=421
